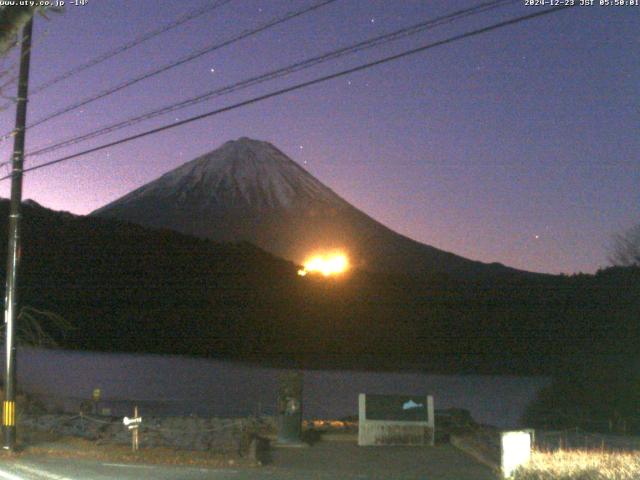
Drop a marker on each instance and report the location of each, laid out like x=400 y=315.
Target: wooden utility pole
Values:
x=13 y=251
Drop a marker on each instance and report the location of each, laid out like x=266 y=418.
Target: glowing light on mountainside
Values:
x=327 y=265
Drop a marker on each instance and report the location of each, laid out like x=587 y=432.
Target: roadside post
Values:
x=515 y=450
x=133 y=424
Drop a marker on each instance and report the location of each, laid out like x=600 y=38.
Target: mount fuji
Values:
x=248 y=190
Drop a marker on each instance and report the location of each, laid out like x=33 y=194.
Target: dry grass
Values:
x=48 y=444
x=581 y=465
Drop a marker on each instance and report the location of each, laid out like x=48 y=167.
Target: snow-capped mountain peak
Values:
x=241 y=174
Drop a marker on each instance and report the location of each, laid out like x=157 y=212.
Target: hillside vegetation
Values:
x=128 y=288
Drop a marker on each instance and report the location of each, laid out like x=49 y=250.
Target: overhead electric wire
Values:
x=299 y=86
x=295 y=67
x=118 y=50
x=198 y=12
x=10 y=81
x=128 y=83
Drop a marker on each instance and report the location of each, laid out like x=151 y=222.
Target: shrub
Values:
x=580 y=465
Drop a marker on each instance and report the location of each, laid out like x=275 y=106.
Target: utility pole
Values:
x=13 y=250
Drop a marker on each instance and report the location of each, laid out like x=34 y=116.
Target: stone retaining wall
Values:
x=187 y=433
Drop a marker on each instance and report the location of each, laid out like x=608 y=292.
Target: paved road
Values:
x=323 y=461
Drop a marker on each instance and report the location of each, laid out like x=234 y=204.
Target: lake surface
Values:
x=175 y=385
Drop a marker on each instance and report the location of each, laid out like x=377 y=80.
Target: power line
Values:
x=300 y=86
x=298 y=66
x=118 y=50
x=133 y=43
x=183 y=60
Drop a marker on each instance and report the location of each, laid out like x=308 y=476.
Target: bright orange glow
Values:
x=327 y=265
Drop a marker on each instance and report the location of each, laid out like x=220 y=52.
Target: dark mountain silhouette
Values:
x=248 y=190
x=129 y=288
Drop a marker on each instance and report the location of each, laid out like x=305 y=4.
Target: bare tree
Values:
x=626 y=248
x=36 y=326
x=12 y=19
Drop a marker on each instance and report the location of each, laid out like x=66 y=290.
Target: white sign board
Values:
x=132 y=422
x=395 y=420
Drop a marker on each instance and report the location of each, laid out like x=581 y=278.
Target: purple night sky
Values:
x=518 y=146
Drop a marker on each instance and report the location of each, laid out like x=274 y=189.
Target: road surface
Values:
x=324 y=461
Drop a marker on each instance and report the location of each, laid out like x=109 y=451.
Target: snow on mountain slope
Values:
x=242 y=174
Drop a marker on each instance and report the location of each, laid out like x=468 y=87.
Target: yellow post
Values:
x=8 y=413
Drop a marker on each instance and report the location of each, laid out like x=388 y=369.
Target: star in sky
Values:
x=469 y=120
